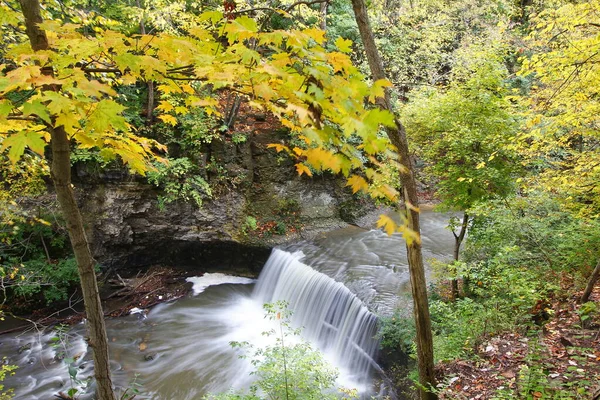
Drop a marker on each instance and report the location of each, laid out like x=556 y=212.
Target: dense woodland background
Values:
x=500 y=101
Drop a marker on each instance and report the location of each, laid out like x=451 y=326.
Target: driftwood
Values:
x=132 y=286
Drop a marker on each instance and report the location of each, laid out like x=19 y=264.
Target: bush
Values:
x=516 y=254
x=52 y=280
x=179 y=180
x=6 y=370
x=290 y=369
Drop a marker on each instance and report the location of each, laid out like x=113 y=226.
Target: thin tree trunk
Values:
x=590 y=285
x=323 y=12
x=458 y=239
x=98 y=341
x=398 y=138
x=149 y=84
x=61 y=176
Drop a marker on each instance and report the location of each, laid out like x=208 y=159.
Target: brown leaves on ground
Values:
x=566 y=355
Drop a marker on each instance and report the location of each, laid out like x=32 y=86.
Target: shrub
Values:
x=179 y=180
x=290 y=369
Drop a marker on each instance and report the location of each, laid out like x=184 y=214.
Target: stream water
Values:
x=181 y=350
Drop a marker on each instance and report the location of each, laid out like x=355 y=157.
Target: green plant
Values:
x=250 y=225
x=289 y=369
x=60 y=343
x=239 y=138
x=53 y=280
x=4 y=371
x=586 y=312
x=535 y=378
x=397 y=333
x=133 y=390
x=179 y=179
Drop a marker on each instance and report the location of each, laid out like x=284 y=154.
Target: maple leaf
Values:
x=5 y=108
x=303 y=169
x=168 y=119
x=278 y=147
x=37 y=108
x=16 y=143
x=343 y=45
x=388 y=224
x=107 y=114
x=357 y=183
x=165 y=106
x=378 y=89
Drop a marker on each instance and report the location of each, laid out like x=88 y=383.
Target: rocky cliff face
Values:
x=126 y=228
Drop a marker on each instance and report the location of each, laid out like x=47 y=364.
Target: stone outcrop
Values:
x=126 y=228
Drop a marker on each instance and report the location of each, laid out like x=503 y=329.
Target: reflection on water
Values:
x=181 y=350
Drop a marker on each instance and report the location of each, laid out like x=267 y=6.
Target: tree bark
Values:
x=398 y=138
x=458 y=239
x=323 y=12
x=149 y=84
x=61 y=177
x=590 y=285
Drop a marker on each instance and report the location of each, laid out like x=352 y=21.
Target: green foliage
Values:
x=52 y=280
x=179 y=180
x=587 y=311
x=4 y=371
x=290 y=369
x=397 y=333
x=418 y=39
x=194 y=129
x=462 y=133
x=516 y=253
x=239 y=138
x=35 y=254
x=536 y=232
x=60 y=343
x=250 y=224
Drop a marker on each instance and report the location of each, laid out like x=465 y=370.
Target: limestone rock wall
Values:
x=127 y=229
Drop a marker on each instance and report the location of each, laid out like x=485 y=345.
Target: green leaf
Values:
x=378 y=89
x=17 y=143
x=38 y=109
x=5 y=108
x=212 y=16
x=343 y=45
x=108 y=114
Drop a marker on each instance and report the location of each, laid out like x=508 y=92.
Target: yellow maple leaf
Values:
x=303 y=169
x=168 y=119
x=278 y=147
x=165 y=106
x=388 y=224
x=357 y=183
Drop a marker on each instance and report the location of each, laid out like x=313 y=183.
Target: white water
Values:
x=328 y=313
x=186 y=351
x=200 y=283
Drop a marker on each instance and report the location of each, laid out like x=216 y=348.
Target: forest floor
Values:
x=560 y=359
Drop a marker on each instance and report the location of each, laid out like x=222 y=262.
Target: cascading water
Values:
x=181 y=350
x=329 y=314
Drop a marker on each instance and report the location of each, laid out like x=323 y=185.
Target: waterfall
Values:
x=329 y=314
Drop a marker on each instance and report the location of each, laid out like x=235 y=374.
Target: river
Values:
x=181 y=350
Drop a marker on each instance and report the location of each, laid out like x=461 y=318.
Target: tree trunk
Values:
x=397 y=136
x=61 y=176
x=149 y=84
x=458 y=239
x=590 y=285
x=323 y=12
x=98 y=341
